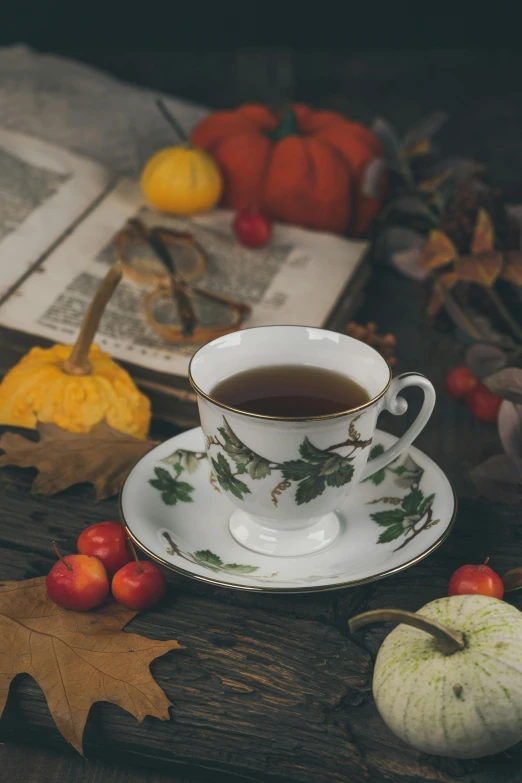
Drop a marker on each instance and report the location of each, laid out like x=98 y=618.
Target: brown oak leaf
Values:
x=77 y=658
x=102 y=457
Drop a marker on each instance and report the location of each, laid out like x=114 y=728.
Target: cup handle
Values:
x=398 y=405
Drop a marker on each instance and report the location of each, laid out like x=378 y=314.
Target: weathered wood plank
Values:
x=272 y=688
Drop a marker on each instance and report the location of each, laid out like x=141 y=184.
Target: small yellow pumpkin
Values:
x=183 y=179
x=75 y=386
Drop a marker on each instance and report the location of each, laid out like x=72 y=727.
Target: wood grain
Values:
x=273 y=688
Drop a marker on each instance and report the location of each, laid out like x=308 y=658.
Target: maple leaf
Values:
x=77 y=658
x=102 y=457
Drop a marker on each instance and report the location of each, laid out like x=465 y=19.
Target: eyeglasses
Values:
x=175 y=308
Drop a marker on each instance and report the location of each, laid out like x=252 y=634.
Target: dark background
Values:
x=398 y=60
x=174 y=25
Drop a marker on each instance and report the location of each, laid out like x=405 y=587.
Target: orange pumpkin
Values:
x=304 y=167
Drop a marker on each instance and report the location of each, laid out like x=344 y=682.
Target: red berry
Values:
x=77 y=582
x=108 y=542
x=476 y=579
x=483 y=404
x=252 y=228
x=460 y=382
x=139 y=585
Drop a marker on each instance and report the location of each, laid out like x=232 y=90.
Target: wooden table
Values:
x=269 y=687
x=273 y=688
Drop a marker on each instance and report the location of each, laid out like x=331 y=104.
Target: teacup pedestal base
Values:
x=296 y=539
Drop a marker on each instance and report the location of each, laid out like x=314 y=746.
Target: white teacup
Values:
x=286 y=476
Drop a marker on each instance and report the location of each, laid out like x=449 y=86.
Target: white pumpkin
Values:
x=453 y=688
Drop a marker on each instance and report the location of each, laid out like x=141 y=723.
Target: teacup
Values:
x=286 y=476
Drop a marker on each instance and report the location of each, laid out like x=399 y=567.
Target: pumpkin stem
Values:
x=287 y=126
x=447 y=641
x=78 y=361
x=172 y=121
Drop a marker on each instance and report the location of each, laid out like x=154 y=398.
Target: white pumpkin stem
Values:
x=447 y=641
x=78 y=361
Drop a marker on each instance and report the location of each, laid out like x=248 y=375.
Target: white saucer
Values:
x=174 y=510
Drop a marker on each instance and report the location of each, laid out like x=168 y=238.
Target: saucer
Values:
x=174 y=509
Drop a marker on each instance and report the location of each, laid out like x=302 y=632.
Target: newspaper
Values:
x=296 y=279
x=44 y=190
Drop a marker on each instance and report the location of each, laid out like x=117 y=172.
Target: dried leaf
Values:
x=512 y=271
x=77 y=658
x=459 y=167
x=482 y=269
x=489 y=334
x=512 y=580
x=438 y=251
x=484 y=360
x=407 y=204
x=507 y=383
x=433 y=183
x=423 y=130
x=388 y=138
x=510 y=431
x=102 y=457
x=422 y=148
x=447 y=281
x=498 y=479
x=372 y=180
x=409 y=263
x=403 y=247
x=483 y=239
x=470 y=327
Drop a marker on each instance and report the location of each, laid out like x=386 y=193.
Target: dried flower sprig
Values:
x=385 y=344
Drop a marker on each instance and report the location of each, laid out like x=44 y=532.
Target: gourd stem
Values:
x=447 y=641
x=172 y=121
x=78 y=361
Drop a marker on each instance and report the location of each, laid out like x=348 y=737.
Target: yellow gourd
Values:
x=75 y=386
x=181 y=179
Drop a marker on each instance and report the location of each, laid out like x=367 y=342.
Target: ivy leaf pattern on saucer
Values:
x=411 y=513
x=378 y=477
x=212 y=562
x=406 y=517
x=171 y=489
x=209 y=560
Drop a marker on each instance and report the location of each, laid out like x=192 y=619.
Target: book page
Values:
x=43 y=192
x=296 y=279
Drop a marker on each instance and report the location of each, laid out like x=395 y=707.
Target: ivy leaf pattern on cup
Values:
x=227 y=479
x=316 y=470
x=245 y=459
x=404 y=517
x=312 y=473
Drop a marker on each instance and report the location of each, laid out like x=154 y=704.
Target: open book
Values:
x=58 y=218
